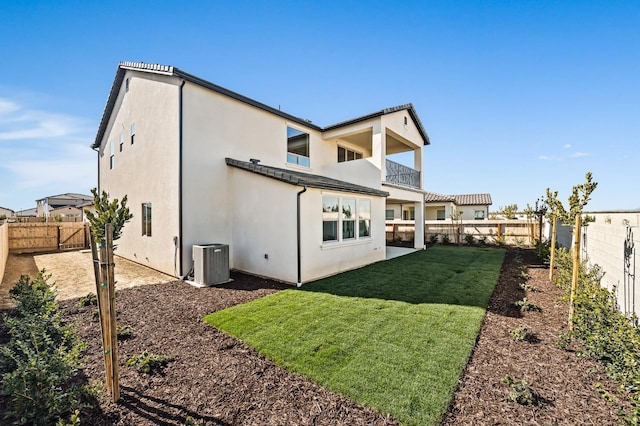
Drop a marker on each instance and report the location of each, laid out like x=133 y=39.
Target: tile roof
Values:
x=304 y=179
x=173 y=71
x=461 y=200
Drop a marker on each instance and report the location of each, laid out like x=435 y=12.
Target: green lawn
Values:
x=394 y=335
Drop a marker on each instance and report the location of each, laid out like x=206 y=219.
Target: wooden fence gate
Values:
x=41 y=237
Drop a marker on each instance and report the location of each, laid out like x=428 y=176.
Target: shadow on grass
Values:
x=444 y=275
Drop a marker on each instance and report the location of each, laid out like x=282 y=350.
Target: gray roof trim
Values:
x=304 y=179
x=409 y=107
x=173 y=71
x=405 y=188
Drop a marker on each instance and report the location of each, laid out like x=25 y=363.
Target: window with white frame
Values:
x=364 y=218
x=346 y=154
x=146 y=219
x=297 y=147
x=345 y=219
x=112 y=155
x=478 y=214
x=389 y=214
x=409 y=214
x=330 y=218
x=440 y=214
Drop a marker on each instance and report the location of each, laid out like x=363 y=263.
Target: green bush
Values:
x=433 y=239
x=520 y=391
x=527 y=306
x=149 y=363
x=469 y=239
x=606 y=333
x=445 y=239
x=41 y=359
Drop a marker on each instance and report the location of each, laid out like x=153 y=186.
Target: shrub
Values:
x=149 y=363
x=469 y=239
x=433 y=239
x=42 y=357
x=521 y=392
x=527 y=306
x=605 y=333
x=445 y=239
x=88 y=300
x=522 y=334
x=124 y=332
x=528 y=287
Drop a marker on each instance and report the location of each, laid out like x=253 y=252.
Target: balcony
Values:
x=399 y=174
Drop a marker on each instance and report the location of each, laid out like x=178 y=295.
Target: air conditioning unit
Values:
x=210 y=264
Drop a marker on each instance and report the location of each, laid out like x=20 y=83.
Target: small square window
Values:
x=126 y=85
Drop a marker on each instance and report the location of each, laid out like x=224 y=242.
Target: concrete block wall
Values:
x=613 y=243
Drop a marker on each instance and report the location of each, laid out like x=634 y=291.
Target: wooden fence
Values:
x=510 y=232
x=41 y=237
x=4 y=248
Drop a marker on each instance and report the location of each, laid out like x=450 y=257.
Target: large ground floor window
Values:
x=345 y=218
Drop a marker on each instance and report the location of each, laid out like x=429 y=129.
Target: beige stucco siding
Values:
x=264 y=223
x=147 y=171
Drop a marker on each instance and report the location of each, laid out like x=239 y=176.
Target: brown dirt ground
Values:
x=72 y=273
x=217 y=380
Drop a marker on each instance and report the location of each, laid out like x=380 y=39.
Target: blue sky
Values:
x=516 y=96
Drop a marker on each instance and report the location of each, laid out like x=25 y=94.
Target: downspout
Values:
x=97 y=150
x=299 y=284
x=179 y=242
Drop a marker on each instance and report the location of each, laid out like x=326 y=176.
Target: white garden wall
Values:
x=611 y=242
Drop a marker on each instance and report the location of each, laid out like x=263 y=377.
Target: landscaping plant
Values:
x=606 y=333
x=520 y=391
x=149 y=363
x=41 y=360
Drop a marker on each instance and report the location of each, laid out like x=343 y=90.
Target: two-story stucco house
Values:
x=294 y=201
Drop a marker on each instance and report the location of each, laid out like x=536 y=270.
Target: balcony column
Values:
x=417 y=164
x=419 y=225
x=379 y=148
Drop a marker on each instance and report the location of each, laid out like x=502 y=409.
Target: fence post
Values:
x=553 y=247
x=576 y=266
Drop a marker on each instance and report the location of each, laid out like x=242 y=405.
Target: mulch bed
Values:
x=217 y=380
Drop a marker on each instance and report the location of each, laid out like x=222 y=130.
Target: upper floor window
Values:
x=345 y=154
x=121 y=142
x=112 y=155
x=478 y=214
x=133 y=133
x=126 y=85
x=440 y=214
x=297 y=147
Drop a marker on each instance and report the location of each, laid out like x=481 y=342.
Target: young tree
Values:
x=107 y=212
x=509 y=211
x=580 y=196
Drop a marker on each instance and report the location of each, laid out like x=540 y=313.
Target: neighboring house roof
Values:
x=26 y=212
x=461 y=200
x=173 y=71
x=304 y=179
x=69 y=196
x=4 y=208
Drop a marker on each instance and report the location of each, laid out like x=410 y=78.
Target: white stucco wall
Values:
x=264 y=223
x=604 y=243
x=147 y=171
